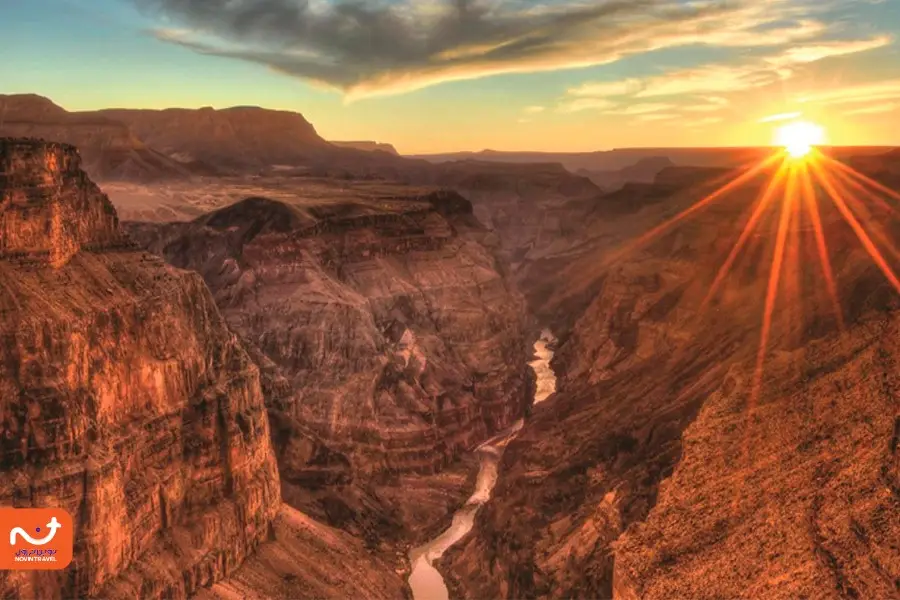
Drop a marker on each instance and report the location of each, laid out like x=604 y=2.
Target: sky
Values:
x=448 y=75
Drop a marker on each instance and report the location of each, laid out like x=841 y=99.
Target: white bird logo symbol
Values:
x=53 y=525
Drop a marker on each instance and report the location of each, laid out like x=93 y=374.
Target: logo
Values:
x=39 y=538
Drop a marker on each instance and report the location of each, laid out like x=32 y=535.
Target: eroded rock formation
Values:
x=125 y=398
x=391 y=341
x=657 y=471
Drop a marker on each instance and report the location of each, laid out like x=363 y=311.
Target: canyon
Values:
x=296 y=363
x=127 y=401
x=657 y=471
x=390 y=341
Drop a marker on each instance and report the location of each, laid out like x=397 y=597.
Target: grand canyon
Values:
x=250 y=362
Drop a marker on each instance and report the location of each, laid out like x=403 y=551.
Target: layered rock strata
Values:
x=124 y=398
x=392 y=342
x=659 y=469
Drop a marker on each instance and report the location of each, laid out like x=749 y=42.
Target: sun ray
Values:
x=772 y=288
x=848 y=180
x=791 y=269
x=861 y=177
x=774 y=184
x=864 y=215
x=706 y=201
x=769 y=309
x=812 y=209
x=824 y=179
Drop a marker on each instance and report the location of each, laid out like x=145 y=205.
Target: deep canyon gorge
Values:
x=340 y=381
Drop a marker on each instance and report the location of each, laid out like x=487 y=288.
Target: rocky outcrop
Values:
x=392 y=342
x=656 y=471
x=368 y=146
x=50 y=209
x=125 y=398
x=110 y=150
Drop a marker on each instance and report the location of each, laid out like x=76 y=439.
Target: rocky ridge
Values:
x=235 y=137
x=109 y=149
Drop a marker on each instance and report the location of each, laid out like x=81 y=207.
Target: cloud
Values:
x=780 y=117
x=858 y=94
x=640 y=109
x=712 y=107
x=580 y=104
x=393 y=46
x=816 y=52
x=533 y=110
x=646 y=118
x=721 y=78
x=704 y=122
x=875 y=109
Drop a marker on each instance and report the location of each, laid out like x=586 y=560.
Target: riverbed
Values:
x=425 y=580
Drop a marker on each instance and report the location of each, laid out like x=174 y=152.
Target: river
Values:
x=424 y=579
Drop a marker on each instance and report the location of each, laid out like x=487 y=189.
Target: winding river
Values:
x=425 y=580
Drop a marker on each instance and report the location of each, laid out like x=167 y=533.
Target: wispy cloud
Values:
x=383 y=47
x=701 y=108
x=580 y=104
x=816 y=52
x=867 y=93
x=653 y=117
x=720 y=78
x=704 y=122
x=875 y=109
x=780 y=117
x=640 y=109
x=533 y=110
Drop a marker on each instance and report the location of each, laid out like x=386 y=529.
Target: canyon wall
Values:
x=659 y=470
x=391 y=343
x=125 y=398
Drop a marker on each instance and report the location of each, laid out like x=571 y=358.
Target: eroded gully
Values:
x=425 y=580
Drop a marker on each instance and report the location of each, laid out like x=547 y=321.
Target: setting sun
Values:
x=799 y=137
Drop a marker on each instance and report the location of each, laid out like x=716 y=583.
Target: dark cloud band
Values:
x=366 y=46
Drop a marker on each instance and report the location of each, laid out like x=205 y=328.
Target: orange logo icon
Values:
x=35 y=538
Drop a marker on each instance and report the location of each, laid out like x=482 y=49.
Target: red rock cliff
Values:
x=124 y=398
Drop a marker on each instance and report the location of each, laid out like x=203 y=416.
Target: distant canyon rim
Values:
x=264 y=366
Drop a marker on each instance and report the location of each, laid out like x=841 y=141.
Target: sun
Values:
x=799 y=137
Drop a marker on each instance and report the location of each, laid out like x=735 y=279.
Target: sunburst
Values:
x=804 y=181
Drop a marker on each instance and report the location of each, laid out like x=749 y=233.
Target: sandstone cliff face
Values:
x=49 y=206
x=790 y=493
x=110 y=150
x=392 y=344
x=125 y=398
x=233 y=137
